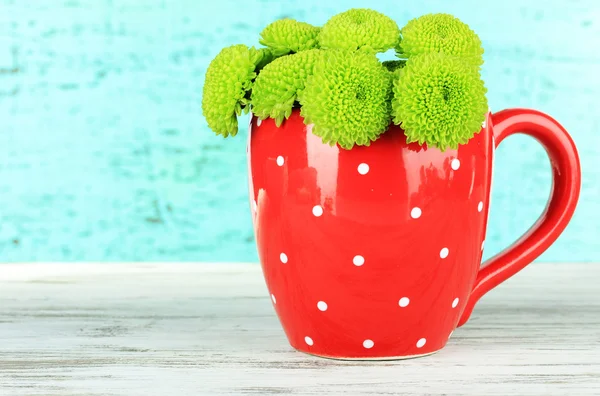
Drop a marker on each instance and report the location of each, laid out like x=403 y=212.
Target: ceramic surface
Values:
x=375 y=252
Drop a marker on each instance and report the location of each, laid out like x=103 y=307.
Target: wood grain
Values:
x=195 y=329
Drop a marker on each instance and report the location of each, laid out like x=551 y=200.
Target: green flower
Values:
x=393 y=65
x=433 y=33
x=360 y=28
x=276 y=87
x=226 y=87
x=265 y=56
x=288 y=35
x=439 y=100
x=347 y=98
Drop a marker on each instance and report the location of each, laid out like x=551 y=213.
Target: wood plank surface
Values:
x=210 y=329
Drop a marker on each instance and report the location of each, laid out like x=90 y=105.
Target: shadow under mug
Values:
x=375 y=252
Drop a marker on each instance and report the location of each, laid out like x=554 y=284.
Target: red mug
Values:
x=375 y=252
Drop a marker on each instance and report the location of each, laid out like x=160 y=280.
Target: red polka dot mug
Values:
x=375 y=252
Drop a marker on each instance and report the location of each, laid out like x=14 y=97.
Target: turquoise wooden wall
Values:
x=104 y=154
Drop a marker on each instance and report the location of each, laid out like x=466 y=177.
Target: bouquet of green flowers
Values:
x=434 y=89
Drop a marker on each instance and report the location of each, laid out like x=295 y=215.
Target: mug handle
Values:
x=566 y=182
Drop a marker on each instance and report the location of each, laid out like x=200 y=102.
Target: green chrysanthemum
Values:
x=443 y=33
x=265 y=56
x=276 y=87
x=439 y=100
x=288 y=35
x=393 y=65
x=347 y=98
x=360 y=28
x=226 y=86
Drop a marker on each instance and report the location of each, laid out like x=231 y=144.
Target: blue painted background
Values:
x=104 y=154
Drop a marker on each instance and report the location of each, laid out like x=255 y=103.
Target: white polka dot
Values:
x=280 y=160
x=358 y=260
x=484 y=123
x=283 y=258
x=480 y=206
x=254 y=205
x=455 y=164
x=455 y=302
x=274 y=299
x=482 y=242
x=308 y=341
x=258 y=122
x=421 y=343
x=322 y=305
x=415 y=213
x=444 y=253
x=317 y=210
x=363 y=168
x=404 y=301
x=368 y=344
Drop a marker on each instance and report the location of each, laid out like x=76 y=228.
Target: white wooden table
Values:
x=191 y=329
